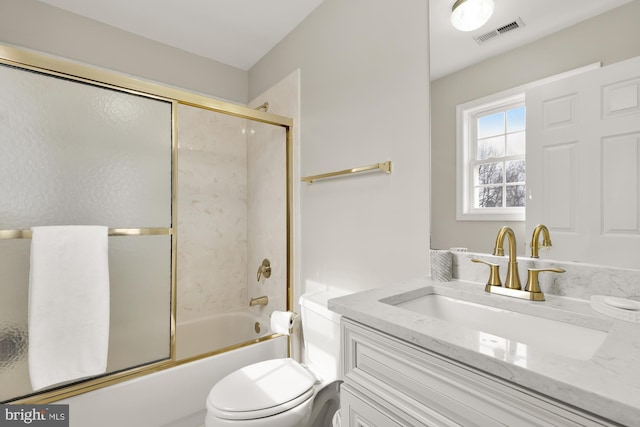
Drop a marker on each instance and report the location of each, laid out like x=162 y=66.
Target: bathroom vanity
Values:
x=437 y=354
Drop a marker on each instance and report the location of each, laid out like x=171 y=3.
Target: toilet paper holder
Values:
x=281 y=330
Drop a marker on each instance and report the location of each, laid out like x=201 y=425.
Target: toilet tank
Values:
x=321 y=335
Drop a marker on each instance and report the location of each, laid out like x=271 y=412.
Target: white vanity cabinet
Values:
x=392 y=382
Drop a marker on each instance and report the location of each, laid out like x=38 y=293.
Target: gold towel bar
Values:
x=26 y=234
x=384 y=166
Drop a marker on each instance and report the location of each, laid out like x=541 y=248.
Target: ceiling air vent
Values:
x=483 y=38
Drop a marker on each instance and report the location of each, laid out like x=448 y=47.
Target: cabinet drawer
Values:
x=358 y=411
x=427 y=385
x=362 y=408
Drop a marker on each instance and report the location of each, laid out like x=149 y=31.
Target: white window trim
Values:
x=465 y=212
x=465 y=114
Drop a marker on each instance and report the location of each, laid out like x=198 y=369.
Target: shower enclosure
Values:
x=196 y=193
x=232 y=214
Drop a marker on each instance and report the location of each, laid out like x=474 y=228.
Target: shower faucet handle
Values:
x=264 y=269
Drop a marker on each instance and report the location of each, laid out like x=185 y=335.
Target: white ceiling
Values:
x=240 y=32
x=540 y=17
x=234 y=32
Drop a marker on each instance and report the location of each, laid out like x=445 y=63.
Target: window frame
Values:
x=462 y=155
x=466 y=146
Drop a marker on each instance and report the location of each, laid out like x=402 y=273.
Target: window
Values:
x=492 y=165
x=499 y=163
x=490 y=138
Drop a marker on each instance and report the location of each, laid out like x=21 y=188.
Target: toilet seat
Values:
x=261 y=390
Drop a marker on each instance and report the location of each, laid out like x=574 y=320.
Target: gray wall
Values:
x=364 y=99
x=38 y=26
x=607 y=38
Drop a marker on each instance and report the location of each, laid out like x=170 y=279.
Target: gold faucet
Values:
x=263 y=300
x=535 y=239
x=512 y=286
x=512 y=281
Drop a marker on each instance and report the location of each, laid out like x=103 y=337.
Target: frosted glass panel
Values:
x=14 y=286
x=140 y=275
x=75 y=153
x=140 y=282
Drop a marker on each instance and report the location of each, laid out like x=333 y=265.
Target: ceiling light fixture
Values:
x=469 y=15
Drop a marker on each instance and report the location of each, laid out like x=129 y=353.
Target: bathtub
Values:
x=217 y=332
x=173 y=397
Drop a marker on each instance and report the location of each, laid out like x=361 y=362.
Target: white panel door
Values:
x=583 y=136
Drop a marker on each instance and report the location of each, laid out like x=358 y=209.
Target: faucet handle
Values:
x=532 y=278
x=264 y=270
x=494 y=272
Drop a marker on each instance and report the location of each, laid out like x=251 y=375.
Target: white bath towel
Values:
x=68 y=304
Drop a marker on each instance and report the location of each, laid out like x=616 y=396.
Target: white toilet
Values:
x=282 y=392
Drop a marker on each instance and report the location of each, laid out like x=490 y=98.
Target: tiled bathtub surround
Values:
x=212 y=213
x=267 y=201
x=578 y=281
x=232 y=207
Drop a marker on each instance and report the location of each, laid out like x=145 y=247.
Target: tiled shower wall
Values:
x=232 y=207
x=267 y=195
x=212 y=213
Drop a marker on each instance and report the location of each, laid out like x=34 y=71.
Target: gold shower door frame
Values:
x=86 y=74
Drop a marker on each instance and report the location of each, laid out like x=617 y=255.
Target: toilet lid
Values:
x=261 y=389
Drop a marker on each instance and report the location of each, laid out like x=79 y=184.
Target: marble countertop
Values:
x=606 y=384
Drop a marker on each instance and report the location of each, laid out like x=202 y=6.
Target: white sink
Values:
x=508 y=334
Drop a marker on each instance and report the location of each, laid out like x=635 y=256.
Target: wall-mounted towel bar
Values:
x=384 y=166
x=26 y=234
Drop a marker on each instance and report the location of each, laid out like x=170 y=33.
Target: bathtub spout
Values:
x=263 y=300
